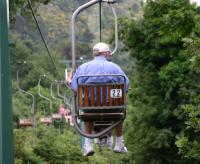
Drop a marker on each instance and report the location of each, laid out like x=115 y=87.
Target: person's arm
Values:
x=73 y=84
x=69 y=78
x=121 y=72
x=127 y=81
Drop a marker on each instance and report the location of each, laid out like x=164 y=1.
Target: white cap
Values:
x=100 y=47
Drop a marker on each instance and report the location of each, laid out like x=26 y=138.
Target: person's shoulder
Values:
x=113 y=64
x=85 y=64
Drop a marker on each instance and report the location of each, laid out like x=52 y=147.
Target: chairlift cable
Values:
x=42 y=36
x=100 y=33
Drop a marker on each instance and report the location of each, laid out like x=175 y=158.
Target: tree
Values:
x=22 y=6
x=156 y=42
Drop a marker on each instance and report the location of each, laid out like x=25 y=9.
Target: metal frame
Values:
x=75 y=111
x=58 y=91
x=46 y=98
x=73 y=22
x=51 y=93
x=73 y=38
x=27 y=93
x=62 y=96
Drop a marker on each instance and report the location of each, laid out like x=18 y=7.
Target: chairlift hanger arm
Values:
x=116 y=30
x=51 y=91
x=58 y=91
x=75 y=15
x=27 y=93
x=21 y=90
x=46 y=98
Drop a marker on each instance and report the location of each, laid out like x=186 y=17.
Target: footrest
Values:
x=101 y=116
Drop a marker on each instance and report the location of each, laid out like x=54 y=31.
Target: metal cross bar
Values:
x=109 y=1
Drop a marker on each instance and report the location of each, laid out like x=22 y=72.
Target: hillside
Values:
x=54 y=20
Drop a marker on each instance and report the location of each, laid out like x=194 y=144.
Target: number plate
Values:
x=116 y=93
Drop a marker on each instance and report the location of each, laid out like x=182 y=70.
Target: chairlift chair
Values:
x=55 y=116
x=46 y=120
x=102 y=104
x=26 y=122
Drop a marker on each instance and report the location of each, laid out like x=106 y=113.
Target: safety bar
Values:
x=97 y=135
x=39 y=93
x=33 y=99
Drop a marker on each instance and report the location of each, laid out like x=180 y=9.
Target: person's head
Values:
x=102 y=49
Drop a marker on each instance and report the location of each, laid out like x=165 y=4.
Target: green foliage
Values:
x=63 y=148
x=47 y=144
x=164 y=119
x=23 y=148
x=21 y=107
x=20 y=6
x=188 y=140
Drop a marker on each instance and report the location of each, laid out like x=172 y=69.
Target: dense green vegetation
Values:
x=163 y=114
x=164 y=121
x=57 y=143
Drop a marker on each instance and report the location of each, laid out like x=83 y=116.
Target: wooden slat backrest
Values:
x=99 y=95
x=80 y=95
x=110 y=102
x=104 y=95
x=116 y=100
x=86 y=100
x=92 y=90
x=25 y=122
x=122 y=101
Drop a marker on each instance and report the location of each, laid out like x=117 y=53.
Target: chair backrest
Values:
x=46 y=120
x=101 y=96
x=25 y=122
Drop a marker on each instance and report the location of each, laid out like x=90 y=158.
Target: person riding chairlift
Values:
x=99 y=65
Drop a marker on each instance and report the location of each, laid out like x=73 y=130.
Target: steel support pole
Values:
x=6 y=133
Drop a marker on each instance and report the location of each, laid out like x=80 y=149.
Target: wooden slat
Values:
x=87 y=94
x=80 y=96
x=123 y=96
x=92 y=89
x=104 y=95
x=98 y=95
x=109 y=98
x=86 y=100
x=116 y=100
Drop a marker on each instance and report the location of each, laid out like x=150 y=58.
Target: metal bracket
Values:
x=110 y=1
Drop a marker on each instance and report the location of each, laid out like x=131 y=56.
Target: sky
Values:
x=197 y=1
